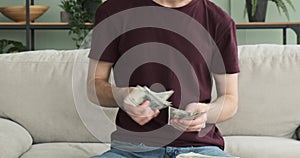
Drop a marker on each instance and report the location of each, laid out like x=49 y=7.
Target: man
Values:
x=141 y=130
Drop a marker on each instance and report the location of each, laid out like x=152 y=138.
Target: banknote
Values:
x=141 y=94
x=178 y=113
x=182 y=114
x=162 y=95
x=196 y=155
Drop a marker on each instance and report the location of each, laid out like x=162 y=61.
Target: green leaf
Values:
x=291 y=4
x=8 y=46
x=254 y=6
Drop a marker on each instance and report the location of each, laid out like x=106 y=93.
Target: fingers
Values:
x=156 y=112
x=190 y=122
x=197 y=107
x=185 y=128
x=141 y=114
x=143 y=120
x=195 y=128
x=142 y=110
x=145 y=104
x=177 y=125
x=188 y=125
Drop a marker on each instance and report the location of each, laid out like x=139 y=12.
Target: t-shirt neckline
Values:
x=178 y=8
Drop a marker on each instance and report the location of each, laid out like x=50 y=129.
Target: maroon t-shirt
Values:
x=163 y=59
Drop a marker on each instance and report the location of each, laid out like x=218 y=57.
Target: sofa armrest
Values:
x=14 y=139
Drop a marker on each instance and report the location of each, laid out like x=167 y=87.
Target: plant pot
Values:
x=260 y=13
x=64 y=16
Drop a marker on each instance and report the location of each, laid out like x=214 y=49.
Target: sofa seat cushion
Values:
x=66 y=150
x=14 y=139
x=262 y=147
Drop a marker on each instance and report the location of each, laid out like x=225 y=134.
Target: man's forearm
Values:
x=105 y=94
x=222 y=109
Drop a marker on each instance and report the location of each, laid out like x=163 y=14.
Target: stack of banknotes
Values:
x=158 y=101
x=195 y=155
x=141 y=94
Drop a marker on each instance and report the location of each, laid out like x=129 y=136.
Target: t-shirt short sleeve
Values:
x=226 y=59
x=108 y=52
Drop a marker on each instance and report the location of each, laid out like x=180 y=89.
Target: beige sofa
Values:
x=42 y=103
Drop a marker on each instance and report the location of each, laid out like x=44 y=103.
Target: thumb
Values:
x=192 y=107
x=145 y=104
x=197 y=107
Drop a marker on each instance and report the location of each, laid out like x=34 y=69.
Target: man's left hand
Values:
x=192 y=125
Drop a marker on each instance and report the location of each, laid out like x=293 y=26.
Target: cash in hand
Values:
x=182 y=114
x=158 y=101
x=141 y=94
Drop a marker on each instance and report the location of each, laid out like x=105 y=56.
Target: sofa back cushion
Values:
x=269 y=91
x=37 y=91
x=45 y=92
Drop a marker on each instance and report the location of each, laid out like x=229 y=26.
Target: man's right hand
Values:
x=141 y=114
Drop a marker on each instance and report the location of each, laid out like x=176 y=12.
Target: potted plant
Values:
x=8 y=46
x=91 y=7
x=80 y=12
x=256 y=9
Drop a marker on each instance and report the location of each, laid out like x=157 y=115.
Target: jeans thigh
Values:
x=128 y=150
x=211 y=151
x=113 y=153
x=172 y=152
